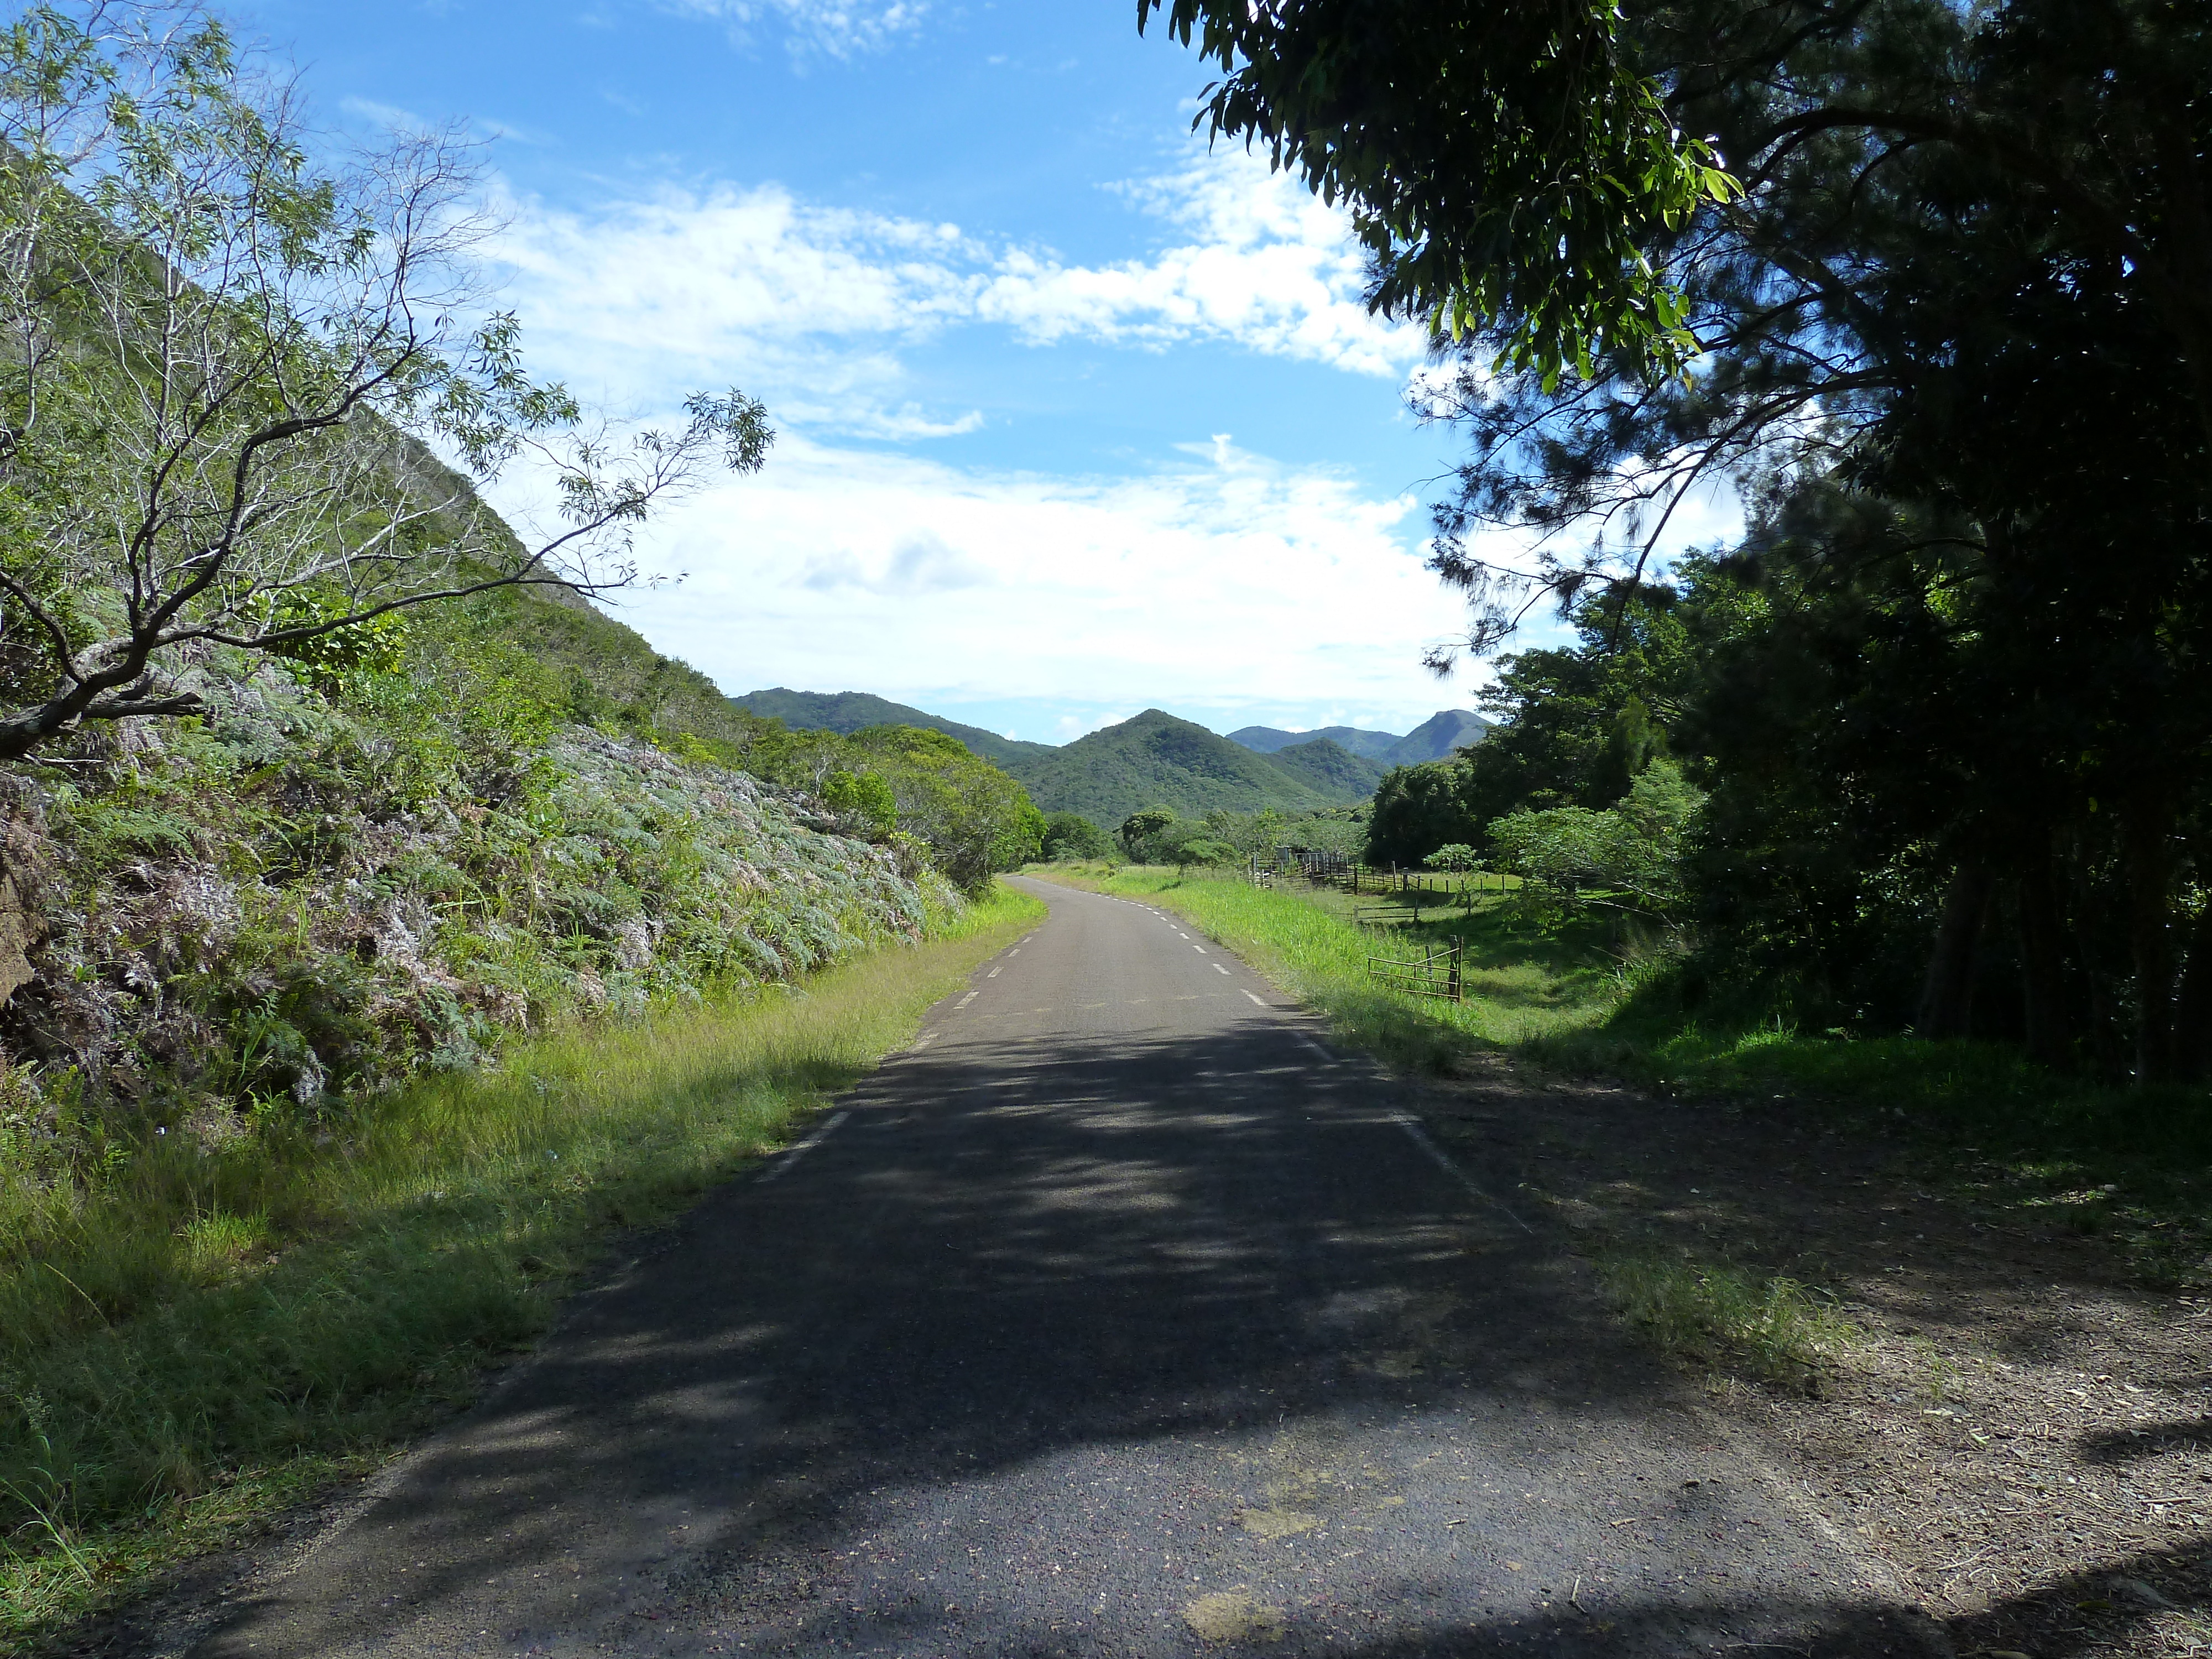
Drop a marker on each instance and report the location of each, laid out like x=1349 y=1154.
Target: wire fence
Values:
x=1434 y=973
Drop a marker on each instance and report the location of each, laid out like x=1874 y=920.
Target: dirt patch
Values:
x=1998 y=1408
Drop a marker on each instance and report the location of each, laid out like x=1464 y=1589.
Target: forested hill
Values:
x=1435 y=737
x=1266 y=739
x=1157 y=760
x=855 y=711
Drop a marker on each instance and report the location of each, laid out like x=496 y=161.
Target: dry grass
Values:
x=1769 y=1327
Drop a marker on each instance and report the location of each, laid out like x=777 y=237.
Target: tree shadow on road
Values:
x=1071 y=1350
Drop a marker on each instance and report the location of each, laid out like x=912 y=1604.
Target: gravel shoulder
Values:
x=2019 y=1429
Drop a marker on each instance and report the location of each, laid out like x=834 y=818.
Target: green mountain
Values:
x=851 y=711
x=1272 y=739
x=1326 y=766
x=1157 y=760
x=1436 y=737
x=1154 y=760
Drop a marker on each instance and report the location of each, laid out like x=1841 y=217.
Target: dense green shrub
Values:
x=1071 y=835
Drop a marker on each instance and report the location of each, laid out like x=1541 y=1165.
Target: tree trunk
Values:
x=2042 y=957
x=2192 y=1009
x=2150 y=853
x=1947 y=1000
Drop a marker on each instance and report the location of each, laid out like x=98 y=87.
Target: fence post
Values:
x=1457 y=946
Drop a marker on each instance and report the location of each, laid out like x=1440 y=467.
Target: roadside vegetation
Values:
x=198 y=1333
x=381 y=925
x=1917 y=288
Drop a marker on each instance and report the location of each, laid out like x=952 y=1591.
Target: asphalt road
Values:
x=1115 y=1317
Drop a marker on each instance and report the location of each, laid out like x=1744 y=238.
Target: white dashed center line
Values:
x=1016 y=951
x=1219 y=969
x=1256 y=1002
x=965 y=1000
x=995 y=973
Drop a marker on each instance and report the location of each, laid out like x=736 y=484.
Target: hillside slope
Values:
x=1157 y=760
x=325 y=885
x=1326 y=766
x=1271 y=740
x=853 y=711
x=1436 y=737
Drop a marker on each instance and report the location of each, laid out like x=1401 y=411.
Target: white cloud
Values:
x=1224 y=582
x=1212 y=578
x=811 y=306
x=394 y=119
x=1269 y=267
x=837 y=28
x=389 y=115
x=921 y=564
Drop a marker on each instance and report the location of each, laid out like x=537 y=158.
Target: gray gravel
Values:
x=1117 y=1317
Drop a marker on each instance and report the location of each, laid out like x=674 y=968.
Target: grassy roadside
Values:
x=1522 y=980
x=2088 y=1157
x=215 y=1333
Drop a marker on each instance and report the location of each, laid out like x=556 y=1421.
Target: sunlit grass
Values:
x=1522 y=979
x=208 y=1332
x=1723 y=1316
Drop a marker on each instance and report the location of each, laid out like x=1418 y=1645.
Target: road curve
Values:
x=1115 y=1317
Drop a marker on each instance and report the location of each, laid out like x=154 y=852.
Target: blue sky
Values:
x=1075 y=417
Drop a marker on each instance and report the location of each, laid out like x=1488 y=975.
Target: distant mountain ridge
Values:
x=850 y=711
x=1434 y=739
x=1268 y=739
x=1437 y=736
x=1157 y=759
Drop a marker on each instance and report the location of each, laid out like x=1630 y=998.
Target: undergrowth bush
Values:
x=337 y=880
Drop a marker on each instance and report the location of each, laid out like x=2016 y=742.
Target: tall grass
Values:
x=200 y=1333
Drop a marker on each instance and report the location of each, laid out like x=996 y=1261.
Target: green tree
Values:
x=1499 y=160
x=974 y=818
x=863 y=799
x=1071 y=835
x=1199 y=849
x=226 y=364
x=1632 y=854
x=1141 y=829
x=1577 y=724
x=1417 y=809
